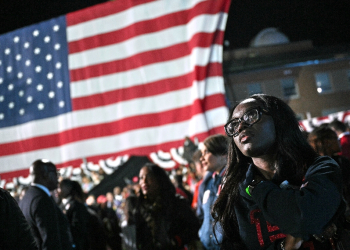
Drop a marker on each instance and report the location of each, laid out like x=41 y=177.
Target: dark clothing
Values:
x=165 y=227
x=48 y=224
x=181 y=190
x=274 y=210
x=128 y=224
x=78 y=218
x=344 y=164
x=345 y=144
x=65 y=232
x=128 y=236
x=98 y=240
x=111 y=226
x=14 y=229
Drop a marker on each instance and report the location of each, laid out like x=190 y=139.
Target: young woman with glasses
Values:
x=277 y=192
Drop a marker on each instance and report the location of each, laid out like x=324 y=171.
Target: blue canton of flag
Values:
x=34 y=76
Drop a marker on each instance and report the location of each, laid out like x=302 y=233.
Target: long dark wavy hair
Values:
x=293 y=155
x=73 y=189
x=166 y=187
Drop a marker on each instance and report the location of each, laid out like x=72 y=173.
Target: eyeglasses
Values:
x=250 y=117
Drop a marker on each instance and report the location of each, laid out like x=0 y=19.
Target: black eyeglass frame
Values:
x=239 y=120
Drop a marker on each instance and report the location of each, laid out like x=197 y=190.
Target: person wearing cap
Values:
x=48 y=224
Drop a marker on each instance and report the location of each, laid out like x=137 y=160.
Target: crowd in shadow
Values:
x=203 y=205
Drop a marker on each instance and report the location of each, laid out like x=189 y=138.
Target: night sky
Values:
x=325 y=22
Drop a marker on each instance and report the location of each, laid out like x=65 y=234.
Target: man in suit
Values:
x=49 y=225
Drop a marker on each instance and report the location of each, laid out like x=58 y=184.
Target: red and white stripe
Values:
x=144 y=74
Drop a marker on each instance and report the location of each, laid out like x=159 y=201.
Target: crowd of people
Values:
x=266 y=184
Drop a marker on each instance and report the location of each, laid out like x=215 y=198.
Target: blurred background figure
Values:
x=118 y=200
x=343 y=135
x=110 y=222
x=87 y=183
x=181 y=190
x=90 y=201
x=128 y=225
x=49 y=225
x=15 y=233
x=110 y=201
x=213 y=159
x=200 y=172
x=162 y=219
x=22 y=193
x=83 y=231
x=97 y=177
x=117 y=191
x=325 y=142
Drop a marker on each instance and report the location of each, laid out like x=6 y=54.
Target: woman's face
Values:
x=258 y=139
x=148 y=182
x=211 y=162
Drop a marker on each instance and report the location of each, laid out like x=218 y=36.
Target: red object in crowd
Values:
x=101 y=199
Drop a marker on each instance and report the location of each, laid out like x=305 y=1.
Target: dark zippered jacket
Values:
x=273 y=210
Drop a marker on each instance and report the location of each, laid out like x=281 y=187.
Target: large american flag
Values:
x=125 y=77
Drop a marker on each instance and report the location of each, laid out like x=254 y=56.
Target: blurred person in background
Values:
x=22 y=193
x=87 y=183
x=213 y=159
x=118 y=200
x=163 y=221
x=324 y=141
x=110 y=223
x=199 y=171
x=15 y=232
x=117 y=192
x=111 y=201
x=49 y=225
x=343 y=135
x=181 y=190
x=72 y=197
x=128 y=225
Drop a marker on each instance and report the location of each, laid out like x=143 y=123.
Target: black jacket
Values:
x=14 y=230
x=78 y=218
x=49 y=225
x=273 y=210
x=175 y=226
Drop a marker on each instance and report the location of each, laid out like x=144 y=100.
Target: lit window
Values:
x=323 y=82
x=289 y=88
x=254 y=88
